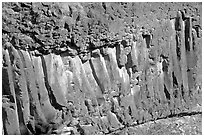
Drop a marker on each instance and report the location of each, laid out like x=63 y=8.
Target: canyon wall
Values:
x=98 y=67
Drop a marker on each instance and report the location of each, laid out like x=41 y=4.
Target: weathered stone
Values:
x=134 y=54
x=181 y=42
x=190 y=55
x=120 y=55
x=31 y=78
x=104 y=65
x=9 y=110
x=21 y=90
x=44 y=99
x=79 y=71
x=10 y=118
x=89 y=129
x=55 y=80
x=100 y=73
x=113 y=121
x=105 y=124
x=112 y=67
x=125 y=81
x=93 y=83
x=175 y=64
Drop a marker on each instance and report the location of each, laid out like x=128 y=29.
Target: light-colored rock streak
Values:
x=20 y=84
x=122 y=73
x=11 y=118
x=134 y=54
x=112 y=55
x=183 y=59
x=47 y=108
x=75 y=64
x=61 y=75
x=91 y=80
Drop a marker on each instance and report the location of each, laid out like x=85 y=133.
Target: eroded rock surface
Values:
x=94 y=68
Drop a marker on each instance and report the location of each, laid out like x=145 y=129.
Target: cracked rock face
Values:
x=93 y=68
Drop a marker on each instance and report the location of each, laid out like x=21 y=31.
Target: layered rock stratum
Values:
x=98 y=67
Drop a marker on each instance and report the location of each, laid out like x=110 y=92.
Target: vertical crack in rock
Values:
x=22 y=98
x=29 y=94
x=47 y=109
x=8 y=89
x=95 y=77
x=35 y=109
x=52 y=98
x=167 y=93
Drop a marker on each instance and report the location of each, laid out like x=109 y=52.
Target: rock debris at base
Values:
x=98 y=68
x=185 y=125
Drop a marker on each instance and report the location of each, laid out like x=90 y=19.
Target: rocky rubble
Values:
x=189 y=124
x=92 y=68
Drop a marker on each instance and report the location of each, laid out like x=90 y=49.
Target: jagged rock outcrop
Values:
x=98 y=67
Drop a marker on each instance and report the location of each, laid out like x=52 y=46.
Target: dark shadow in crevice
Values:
x=95 y=76
x=52 y=98
x=175 y=83
x=178 y=46
x=128 y=65
x=147 y=39
x=168 y=96
x=187 y=35
x=118 y=52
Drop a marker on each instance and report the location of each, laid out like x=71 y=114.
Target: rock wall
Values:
x=98 y=67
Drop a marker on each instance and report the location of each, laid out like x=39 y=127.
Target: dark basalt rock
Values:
x=96 y=68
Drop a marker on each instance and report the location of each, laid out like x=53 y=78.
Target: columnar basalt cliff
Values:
x=98 y=67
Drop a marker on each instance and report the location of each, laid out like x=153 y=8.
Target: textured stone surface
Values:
x=95 y=68
x=9 y=106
